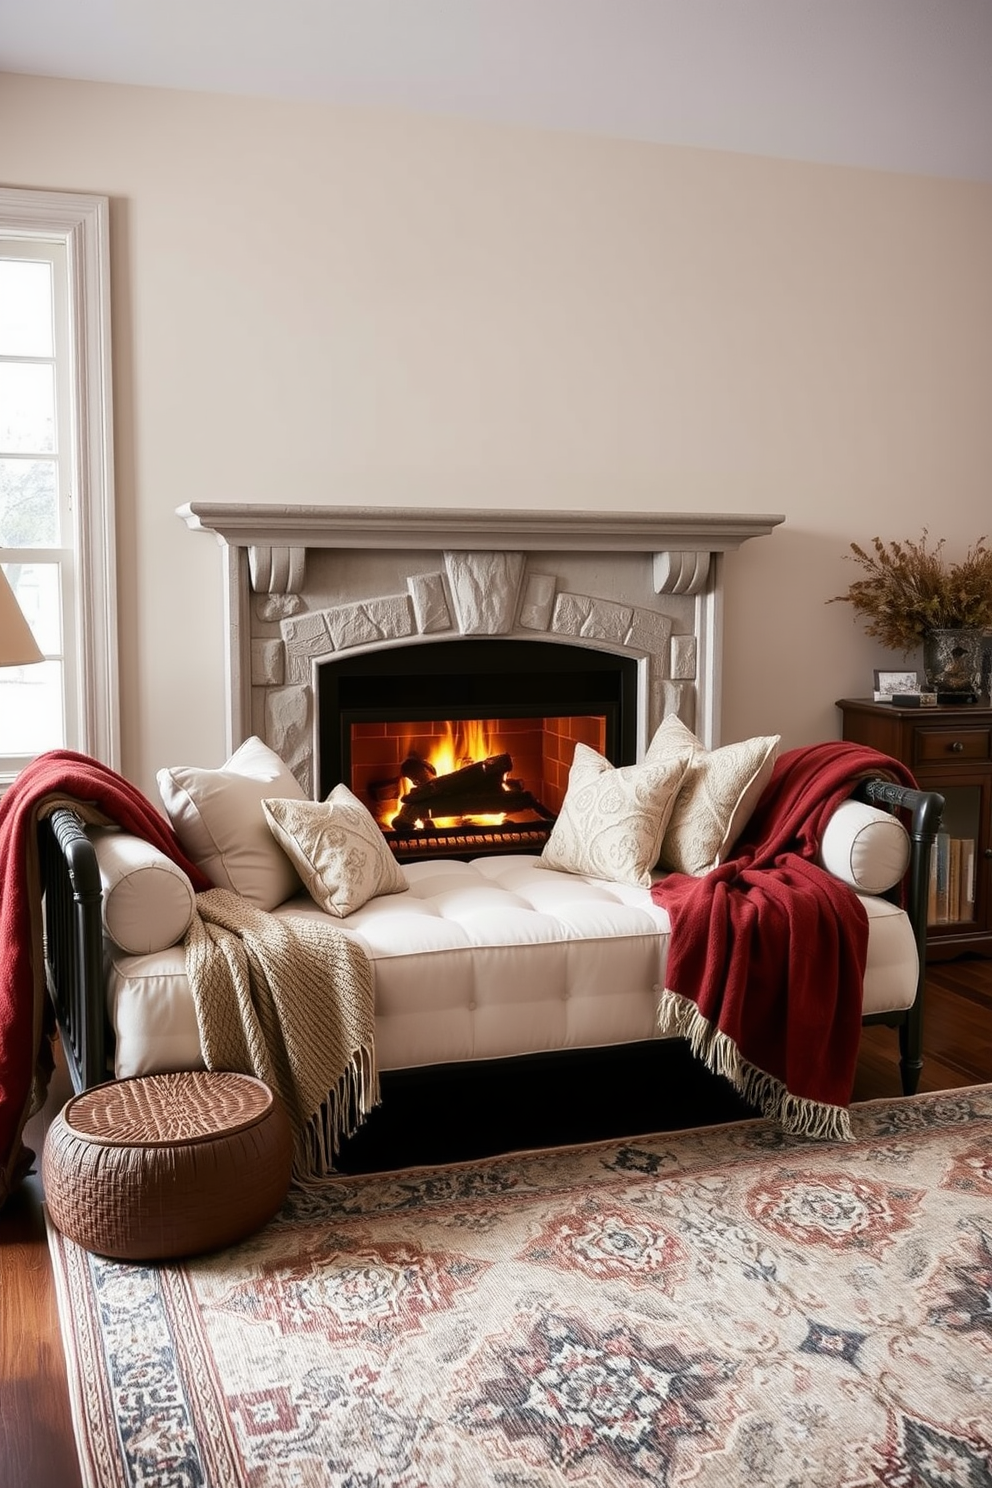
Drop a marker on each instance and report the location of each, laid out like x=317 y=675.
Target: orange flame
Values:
x=463 y=743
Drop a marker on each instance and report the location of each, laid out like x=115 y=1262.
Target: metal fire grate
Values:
x=461 y=842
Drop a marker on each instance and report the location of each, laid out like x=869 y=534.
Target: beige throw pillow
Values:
x=716 y=799
x=337 y=848
x=217 y=816
x=613 y=819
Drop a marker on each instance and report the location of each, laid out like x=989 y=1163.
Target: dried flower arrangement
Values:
x=910 y=590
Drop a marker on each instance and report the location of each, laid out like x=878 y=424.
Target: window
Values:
x=56 y=475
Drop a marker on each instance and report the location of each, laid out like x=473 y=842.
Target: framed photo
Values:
x=887 y=683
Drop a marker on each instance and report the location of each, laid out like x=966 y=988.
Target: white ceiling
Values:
x=902 y=85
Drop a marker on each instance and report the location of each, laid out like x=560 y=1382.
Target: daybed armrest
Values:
x=97 y=882
x=924 y=809
x=73 y=896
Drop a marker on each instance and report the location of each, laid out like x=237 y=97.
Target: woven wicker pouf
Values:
x=167 y=1165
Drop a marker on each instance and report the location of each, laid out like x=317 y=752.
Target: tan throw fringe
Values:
x=796 y=1114
x=291 y=1000
x=316 y=1145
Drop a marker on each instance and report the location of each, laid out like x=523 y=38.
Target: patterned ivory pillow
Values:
x=720 y=791
x=337 y=848
x=612 y=819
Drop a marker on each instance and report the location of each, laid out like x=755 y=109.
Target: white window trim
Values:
x=83 y=224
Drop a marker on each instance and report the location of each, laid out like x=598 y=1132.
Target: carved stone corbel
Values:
x=681 y=573
x=277 y=570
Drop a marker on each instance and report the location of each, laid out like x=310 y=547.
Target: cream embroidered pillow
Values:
x=337 y=848
x=720 y=791
x=612 y=819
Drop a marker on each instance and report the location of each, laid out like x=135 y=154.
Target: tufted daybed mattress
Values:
x=483 y=959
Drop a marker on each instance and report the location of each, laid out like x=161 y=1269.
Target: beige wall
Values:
x=329 y=306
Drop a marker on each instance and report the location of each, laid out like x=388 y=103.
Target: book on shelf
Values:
x=951 y=895
x=954 y=879
x=941 y=870
x=967 y=879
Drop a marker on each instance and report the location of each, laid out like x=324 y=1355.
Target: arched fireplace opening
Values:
x=461 y=747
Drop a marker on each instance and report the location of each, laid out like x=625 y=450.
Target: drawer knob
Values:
x=957 y=747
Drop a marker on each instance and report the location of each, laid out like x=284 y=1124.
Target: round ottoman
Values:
x=167 y=1165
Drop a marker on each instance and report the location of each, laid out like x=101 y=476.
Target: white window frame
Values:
x=82 y=223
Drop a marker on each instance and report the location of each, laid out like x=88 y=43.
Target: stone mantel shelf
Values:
x=647 y=584
x=251 y=525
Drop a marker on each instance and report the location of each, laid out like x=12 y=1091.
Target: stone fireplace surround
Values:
x=304 y=584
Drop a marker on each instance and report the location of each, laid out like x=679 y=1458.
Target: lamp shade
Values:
x=18 y=646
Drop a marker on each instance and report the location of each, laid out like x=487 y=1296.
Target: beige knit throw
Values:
x=291 y=1001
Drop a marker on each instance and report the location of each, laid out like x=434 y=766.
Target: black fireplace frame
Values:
x=474 y=677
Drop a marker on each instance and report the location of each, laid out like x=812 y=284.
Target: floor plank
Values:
x=37 y=1446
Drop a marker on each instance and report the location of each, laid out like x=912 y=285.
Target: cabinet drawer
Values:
x=947 y=745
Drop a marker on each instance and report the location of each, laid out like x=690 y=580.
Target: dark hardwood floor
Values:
x=36 y=1441
x=957 y=1044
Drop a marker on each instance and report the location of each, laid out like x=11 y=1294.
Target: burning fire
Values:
x=457 y=777
x=463 y=743
x=483 y=819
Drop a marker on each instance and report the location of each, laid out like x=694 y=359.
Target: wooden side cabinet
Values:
x=948 y=750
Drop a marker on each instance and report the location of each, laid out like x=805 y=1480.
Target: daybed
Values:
x=479 y=960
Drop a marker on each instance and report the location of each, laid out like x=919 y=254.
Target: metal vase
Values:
x=952 y=660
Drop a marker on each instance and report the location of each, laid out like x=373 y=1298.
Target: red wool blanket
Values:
x=767 y=954
x=101 y=796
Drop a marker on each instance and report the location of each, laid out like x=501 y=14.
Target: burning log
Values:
x=478 y=789
x=482 y=775
x=385 y=790
x=417 y=769
x=414 y=768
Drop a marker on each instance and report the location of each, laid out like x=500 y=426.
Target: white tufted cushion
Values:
x=147 y=898
x=716 y=799
x=865 y=847
x=483 y=960
x=479 y=960
x=217 y=816
x=337 y=848
x=612 y=819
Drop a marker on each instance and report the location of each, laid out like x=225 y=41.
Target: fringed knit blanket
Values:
x=291 y=1001
x=766 y=959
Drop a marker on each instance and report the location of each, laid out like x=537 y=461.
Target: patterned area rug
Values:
x=725 y=1306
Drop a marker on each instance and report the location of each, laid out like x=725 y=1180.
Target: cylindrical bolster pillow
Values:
x=147 y=898
x=865 y=847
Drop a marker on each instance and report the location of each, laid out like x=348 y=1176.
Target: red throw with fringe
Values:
x=59 y=778
x=767 y=954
